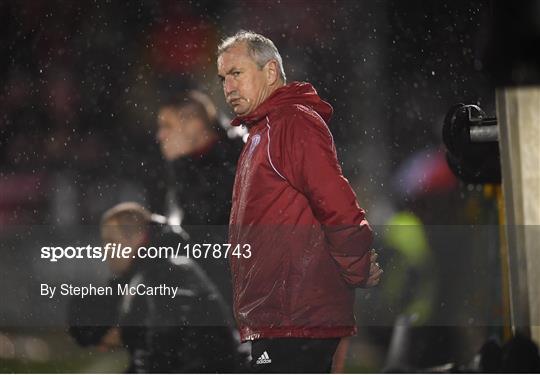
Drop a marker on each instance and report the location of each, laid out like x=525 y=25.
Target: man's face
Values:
x=245 y=85
x=177 y=132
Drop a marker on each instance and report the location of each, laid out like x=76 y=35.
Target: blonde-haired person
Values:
x=188 y=331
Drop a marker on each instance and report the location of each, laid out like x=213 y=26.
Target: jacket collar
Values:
x=301 y=93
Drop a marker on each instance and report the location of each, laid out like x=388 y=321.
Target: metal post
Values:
x=518 y=112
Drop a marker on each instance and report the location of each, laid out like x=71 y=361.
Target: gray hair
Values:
x=260 y=48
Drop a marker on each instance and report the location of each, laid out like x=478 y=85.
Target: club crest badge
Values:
x=254 y=143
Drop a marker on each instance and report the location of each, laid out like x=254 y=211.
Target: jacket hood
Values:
x=301 y=93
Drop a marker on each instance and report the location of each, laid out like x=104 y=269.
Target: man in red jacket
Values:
x=310 y=242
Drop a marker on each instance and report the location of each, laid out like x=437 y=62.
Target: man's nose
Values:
x=229 y=86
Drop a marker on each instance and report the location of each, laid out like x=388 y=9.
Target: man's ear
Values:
x=272 y=72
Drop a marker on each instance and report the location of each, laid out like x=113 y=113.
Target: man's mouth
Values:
x=233 y=102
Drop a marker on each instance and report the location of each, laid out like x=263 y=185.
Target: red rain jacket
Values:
x=309 y=239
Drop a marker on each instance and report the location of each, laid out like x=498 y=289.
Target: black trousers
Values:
x=293 y=355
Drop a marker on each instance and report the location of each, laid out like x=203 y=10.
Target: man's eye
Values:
x=236 y=74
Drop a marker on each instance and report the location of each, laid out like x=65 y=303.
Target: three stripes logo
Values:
x=264 y=359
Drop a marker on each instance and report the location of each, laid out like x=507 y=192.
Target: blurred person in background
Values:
x=201 y=157
x=188 y=333
x=310 y=241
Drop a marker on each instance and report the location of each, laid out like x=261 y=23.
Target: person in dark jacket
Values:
x=310 y=242
x=201 y=155
x=188 y=332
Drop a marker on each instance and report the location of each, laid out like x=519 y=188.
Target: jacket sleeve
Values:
x=309 y=160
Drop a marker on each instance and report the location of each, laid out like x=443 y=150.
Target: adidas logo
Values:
x=263 y=359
